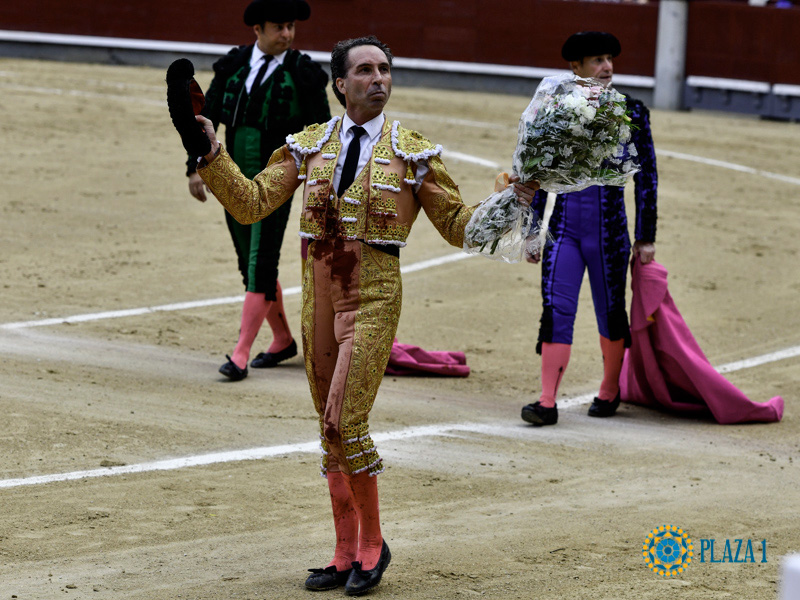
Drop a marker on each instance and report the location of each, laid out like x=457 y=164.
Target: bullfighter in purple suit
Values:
x=590 y=229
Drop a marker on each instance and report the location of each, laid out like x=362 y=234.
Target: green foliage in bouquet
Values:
x=575 y=133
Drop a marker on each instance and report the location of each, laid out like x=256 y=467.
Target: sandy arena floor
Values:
x=96 y=217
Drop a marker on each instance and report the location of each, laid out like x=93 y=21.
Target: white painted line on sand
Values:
x=235 y=456
x=759 y=360
x=668 y=153
x=471 y=159
x=133 y=312
x=450 y=120
x=727 y=165
x=29 y=89
x=500 y=429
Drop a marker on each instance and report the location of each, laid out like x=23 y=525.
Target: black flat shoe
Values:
x=231 y=371
x=604 y=408
x=327 y=579
x=267 y=360
x=539 y=415
x=362 y=581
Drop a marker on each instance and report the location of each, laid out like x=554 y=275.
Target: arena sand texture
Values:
x=96 y=217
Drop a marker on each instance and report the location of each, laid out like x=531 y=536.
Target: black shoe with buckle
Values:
x=267 y=360
x=231 y=371
x=604 y=408
x=362 y=581
x=539 y=415
x=327 y=579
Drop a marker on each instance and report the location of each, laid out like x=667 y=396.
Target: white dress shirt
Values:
x=368 y=141
x=255 y=65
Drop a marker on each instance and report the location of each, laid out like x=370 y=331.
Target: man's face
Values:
x=600 y=67
x=274 y=38
x=368 y=83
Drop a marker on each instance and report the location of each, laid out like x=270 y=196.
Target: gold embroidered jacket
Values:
x=379 y=207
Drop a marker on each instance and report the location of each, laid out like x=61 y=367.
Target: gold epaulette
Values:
x=312 y=138
x=412 y=146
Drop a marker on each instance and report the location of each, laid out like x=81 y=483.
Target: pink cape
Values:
x=665 y=366
x=413 y=360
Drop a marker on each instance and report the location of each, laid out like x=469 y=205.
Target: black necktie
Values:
x=261 y=71
x=244 y=95
x=351 y=160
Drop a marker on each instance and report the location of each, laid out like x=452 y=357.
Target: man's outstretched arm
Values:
x=248 y=201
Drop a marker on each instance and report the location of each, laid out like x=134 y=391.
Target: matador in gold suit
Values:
x=352 y=289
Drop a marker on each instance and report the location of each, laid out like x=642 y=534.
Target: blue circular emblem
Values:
x=667 y=550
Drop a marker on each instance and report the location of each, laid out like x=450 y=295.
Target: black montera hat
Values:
x=590 y=43
x=276 y=11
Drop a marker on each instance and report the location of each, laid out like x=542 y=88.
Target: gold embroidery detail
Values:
x=448 y=213
x=317 y=199
x=382 y=151
x=307 y=331
x=381 y=229
x=412 y=142
x=313 y=224
x=349 y=210
x=250 y=201
x=380 y=293
x=311 y=135
x=381 y=177
x=322 y=173
x=382 y=203
x=332 y=147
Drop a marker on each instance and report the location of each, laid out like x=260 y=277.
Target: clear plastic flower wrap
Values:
x=499 y=227
x=573 y=134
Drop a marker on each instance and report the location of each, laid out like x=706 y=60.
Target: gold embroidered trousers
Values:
x=352 y=294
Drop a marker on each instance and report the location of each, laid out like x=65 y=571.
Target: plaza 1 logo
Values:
x=733 y=551
x=668 y=550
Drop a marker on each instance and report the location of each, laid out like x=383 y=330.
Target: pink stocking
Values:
x=365 y=498
x=613 y=353
x=555 y=358
x=345 y=521
x=276 y=317
x=254 y=310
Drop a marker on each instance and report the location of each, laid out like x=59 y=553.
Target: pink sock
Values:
x=613 y=353
x=365 y=498
x=555 y=358
x=345 y=521
x=254 y=310
x=276 y=317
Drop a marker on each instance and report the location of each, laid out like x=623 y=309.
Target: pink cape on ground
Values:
x=413 y=360
x=665 y=366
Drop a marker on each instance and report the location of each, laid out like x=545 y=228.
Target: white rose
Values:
x=569 y=101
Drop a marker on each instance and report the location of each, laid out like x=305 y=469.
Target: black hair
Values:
x=339 y=55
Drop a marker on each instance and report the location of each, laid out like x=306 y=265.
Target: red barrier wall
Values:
x=738 y=41
x=725 y=39
x=465 y=30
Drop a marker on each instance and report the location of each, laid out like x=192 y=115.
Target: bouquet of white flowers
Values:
x=574 y=133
